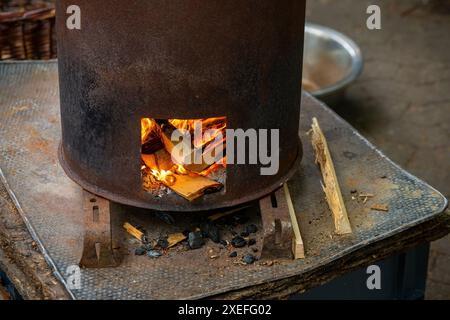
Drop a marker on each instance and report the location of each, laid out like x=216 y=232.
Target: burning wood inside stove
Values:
x=167 y=164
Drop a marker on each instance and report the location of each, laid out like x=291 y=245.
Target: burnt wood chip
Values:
x=238 y=242
x=245 y=234
x=251 y=242
x=195 y=240
x=144 y=236
x=224 y=243
x=255 y=250
x=233 y=254
x=140 y=251
x=163 y=243
x=380 y=207
x=248 y=259
x=251 y=228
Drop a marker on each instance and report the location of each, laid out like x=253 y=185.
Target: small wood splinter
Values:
x=380 y=207
x=298 y=248
x=330 y=183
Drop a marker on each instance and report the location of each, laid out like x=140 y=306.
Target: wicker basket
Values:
x=27 y=29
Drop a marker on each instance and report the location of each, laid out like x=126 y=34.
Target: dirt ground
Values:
x=402 y=100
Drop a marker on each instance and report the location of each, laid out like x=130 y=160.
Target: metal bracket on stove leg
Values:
x=277 y=226
x=98 y=250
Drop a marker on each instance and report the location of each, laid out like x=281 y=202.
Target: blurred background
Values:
x=400 y=102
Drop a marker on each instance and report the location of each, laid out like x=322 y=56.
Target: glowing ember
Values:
x=148 y=127
x=180 y=169
x=164 y=176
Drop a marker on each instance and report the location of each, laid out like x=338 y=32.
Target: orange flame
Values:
x=164 y=176
x=210 y=129
x=148 y=127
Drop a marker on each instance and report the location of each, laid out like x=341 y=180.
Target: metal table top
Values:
x=50 y=203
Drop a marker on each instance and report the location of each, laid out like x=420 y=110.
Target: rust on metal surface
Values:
x=189 y=60
x=98 y=247
x=277 y=226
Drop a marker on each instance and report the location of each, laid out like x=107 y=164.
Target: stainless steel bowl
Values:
x=331 y=62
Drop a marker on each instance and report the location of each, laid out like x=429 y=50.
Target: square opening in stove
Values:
x=185 y=156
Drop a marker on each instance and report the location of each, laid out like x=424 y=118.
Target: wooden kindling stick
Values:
x=330 y=183
x=298 y=249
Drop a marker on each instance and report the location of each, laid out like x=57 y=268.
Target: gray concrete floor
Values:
x=402 y=100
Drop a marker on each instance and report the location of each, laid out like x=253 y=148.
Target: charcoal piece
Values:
x=154 y=254
x=244 y=234
x=233 y=254
x=214 y=234
x=251 y=228
x=248 y=259
x=210 y=230
x=238 y=242
x=255 y=250
x=140 y=251
x=224 y=242
x=195 y=240
x=162 y=243
x=251 y=242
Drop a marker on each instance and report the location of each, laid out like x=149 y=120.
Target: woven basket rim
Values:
x=32 y=14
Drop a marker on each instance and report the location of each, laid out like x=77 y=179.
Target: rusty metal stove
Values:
x=176 y=59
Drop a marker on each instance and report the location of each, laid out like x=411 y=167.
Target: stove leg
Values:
x=277 y=227
x=98 y=251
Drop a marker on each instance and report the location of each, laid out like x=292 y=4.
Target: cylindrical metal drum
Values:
x=183 y=59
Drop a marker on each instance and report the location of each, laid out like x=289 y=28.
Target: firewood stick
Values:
x=134 y=232
x=188 y=161
x=298 y=249
x=175 y=238
x=215 y=144
x=189 y=186
x=150 y=161
x=330 y=183
x=192 y=187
